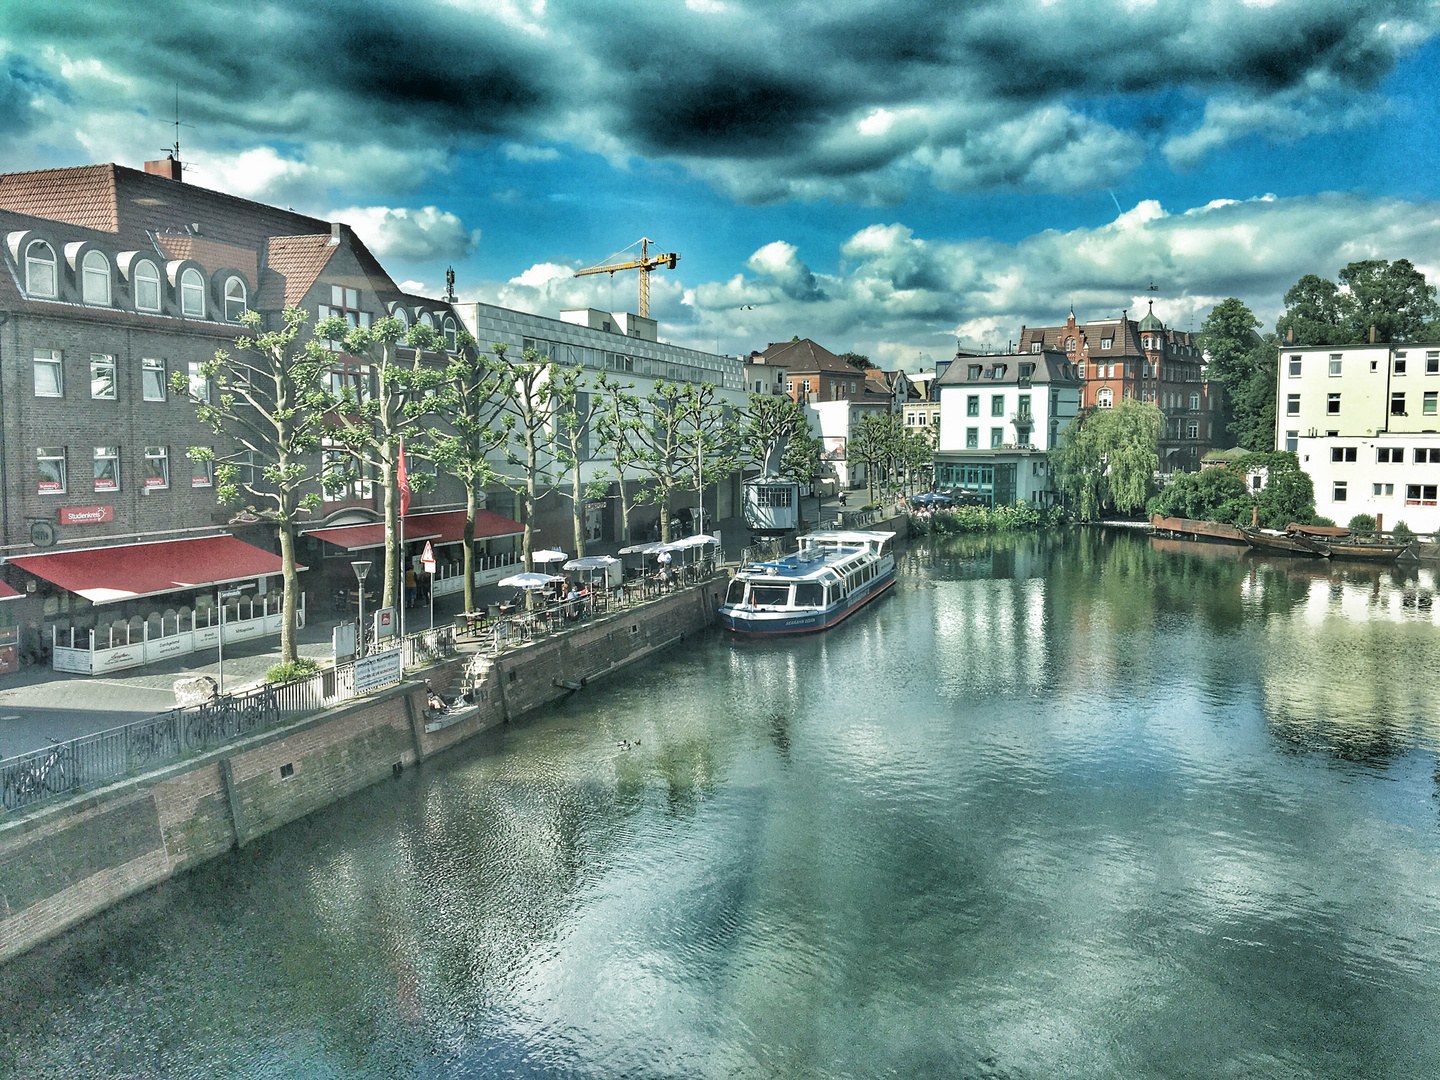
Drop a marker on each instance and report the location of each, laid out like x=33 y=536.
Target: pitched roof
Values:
x=1050 y=366
x=292 y=265
x=803 y=356
x=211 y=254
x=82 y=196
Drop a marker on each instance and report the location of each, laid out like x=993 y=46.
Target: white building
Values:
x=999 y=418
x=1365 y=422
x=835 y=422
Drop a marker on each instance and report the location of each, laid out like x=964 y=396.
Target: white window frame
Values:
x=1340 y=491
x=106 y=454
x=235 y=293
x=53 y=361
x=100 y=364
x=202 y=472
x=55 y=453
x=1192 y=429
x=157 y=468
x=1106 y=342
x=95 y=279
x=1336 y=362
x=145 y=275
x=148 y=365
x=192 y=293
x=450 y=342
x=45 y=265
x=199 y=384
x=1292 y=441
x=1105 y=399
x=1194 y=402
x=1295 y=367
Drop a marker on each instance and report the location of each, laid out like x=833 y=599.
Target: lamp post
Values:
x=228 y=594
x=361 y=568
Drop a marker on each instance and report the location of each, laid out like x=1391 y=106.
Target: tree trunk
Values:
x=577 y=499
x=624 y=514
x=469 y=544
x=392 y=526
x=290 y=595
x=665 y=517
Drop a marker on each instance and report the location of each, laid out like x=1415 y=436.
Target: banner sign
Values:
x=86 y=515
x=377 y=670
x=386 y=624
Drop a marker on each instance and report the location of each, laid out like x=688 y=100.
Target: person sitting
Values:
x=434 y=701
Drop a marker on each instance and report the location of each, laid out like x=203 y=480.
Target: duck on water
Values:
x=833 y=575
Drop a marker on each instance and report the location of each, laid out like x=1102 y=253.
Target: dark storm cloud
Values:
x=807 y=99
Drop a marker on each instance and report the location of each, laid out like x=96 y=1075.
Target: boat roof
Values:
x=800 y=565
x=848 y=536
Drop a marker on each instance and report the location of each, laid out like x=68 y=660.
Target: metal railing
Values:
x=89 y=761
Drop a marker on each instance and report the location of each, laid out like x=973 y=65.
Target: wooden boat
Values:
x=1272 y=542
x=1192 y=529
x=1341 y=543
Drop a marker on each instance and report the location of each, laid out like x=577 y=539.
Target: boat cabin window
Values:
x=737 y=591
x=809 y=594
x=770 y=595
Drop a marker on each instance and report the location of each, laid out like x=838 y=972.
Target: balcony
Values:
x=1023 y=421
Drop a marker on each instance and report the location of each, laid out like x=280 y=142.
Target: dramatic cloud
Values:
x=410 y=235
x=905 y=300
x=859 y=101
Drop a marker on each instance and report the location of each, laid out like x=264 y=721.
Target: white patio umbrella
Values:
x=651 y=548
x=548 y=555
x=698 y=540
x=528 y=581
x=592 y=562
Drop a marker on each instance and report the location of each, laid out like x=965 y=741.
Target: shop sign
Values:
x=86 y=515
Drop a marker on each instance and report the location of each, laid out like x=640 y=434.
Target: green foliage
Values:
x=857 y=360
x=1361 y=523
x=980 y=519
x=1400 y=531
x=299 y=668
x=1108 y=458
x=1209 y=495
x=1244 y=364
x=877 y=443
x=1319 y=519
x=1393 y=297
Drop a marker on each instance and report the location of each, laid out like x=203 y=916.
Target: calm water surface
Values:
x=1085 y=805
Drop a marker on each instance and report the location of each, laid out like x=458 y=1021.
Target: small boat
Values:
x=1341 y=543
x=1274 y=542
x=1191 y=529
x=832 y=576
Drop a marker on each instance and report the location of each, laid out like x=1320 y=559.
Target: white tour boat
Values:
x=832 y=575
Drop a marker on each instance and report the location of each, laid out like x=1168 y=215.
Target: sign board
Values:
x=377 y=670
x=86 y=515
x=386 y=623
x=342 y=641
x=427 y=558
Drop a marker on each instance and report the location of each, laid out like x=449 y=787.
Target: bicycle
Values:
x=52 y=776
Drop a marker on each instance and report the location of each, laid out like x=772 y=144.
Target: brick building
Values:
x=1144 y=360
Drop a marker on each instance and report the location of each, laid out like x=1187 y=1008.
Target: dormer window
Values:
x=147 y=286
x=426 y=319
x=1106 y=342
x=234 y=299
x=449 y=334
x=974 y=371
x=40 y=270
x=95 y=279
x=998 y=371
x=1035 y=346
x=192 y=294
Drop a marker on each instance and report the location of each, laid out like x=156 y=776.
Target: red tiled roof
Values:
x=211 y=254
x=800 y=357
x=81 y=196
x=293 y=265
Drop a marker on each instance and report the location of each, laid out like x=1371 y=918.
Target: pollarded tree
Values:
x=661 y=449
x=1109 y=457
x=370 y=421
x=526 y=392
x=271 y=399
x=804 y=461
x=766 y=427
x=470 y=407
x=574 y=410
x=710 y=442
x=874 y=443
x=620 y=411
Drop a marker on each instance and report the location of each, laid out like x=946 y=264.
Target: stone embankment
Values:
x=61 y=864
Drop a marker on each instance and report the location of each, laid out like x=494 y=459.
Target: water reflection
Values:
x=1072 y=804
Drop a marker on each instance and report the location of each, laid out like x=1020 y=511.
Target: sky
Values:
x=893 y=177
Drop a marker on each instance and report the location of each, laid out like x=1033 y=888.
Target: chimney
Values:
x=167 y=167
x=336 y=231
x=1372 y=333
x=1290 y=336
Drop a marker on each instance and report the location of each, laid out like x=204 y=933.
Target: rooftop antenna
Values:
x=174 y=149
x=450 y=284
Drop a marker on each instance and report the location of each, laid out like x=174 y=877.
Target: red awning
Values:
x=129 y=571
x=7 y=593
x=443 y=527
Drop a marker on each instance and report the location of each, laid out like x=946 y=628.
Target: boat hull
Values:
x=765 y=623
x=1366 y=552
x=1283 y=545
x=1215 y=531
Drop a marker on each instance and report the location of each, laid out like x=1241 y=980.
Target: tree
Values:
x=857 y=360
x=271 y=399
x=1392 y=297
x=471 y=408
x=917 y=454
x=1252 y=402
x=1209 y=495
x=574 y=410
x=767 y=425
x=372 y=427
x=1109 y=457
x=1244 y=364
x=804 y=462
x=525 y=391
x=1314 y=311
x=709 y=442
x=874 y=443
x=658 y=436
x=615 y=422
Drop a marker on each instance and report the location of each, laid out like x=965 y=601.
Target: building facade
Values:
x=1144 y=360
x=1365 y=422
x=1000 y=417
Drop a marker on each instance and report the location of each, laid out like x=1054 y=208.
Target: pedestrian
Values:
x=411 y=587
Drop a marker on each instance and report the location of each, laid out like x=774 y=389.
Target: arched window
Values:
x=1070 y=344
x=426 y=320
x=1194 y=402
x=399 y=315
x=147 y=286
x=192 y=294
x=1105 y=398
x=449 y=334
x=234 y=299
x=95 y=278
x=40 y=269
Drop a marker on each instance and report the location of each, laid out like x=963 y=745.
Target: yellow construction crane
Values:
x=645 y=263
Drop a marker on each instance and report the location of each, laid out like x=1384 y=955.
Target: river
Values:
x=1074 y=805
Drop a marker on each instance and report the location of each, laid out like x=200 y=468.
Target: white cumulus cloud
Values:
x=410 y=235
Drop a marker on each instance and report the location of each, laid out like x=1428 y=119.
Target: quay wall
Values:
x=63 y=863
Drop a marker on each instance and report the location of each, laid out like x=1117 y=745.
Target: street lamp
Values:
x=361 y=568
x=228 y=594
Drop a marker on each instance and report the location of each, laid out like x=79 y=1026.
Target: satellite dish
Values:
x=42 y=534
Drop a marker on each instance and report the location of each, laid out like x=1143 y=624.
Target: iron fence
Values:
x=92 y=760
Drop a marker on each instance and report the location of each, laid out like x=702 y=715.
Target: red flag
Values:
x=403 y=481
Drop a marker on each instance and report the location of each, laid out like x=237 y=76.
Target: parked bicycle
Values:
x=33 y=778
